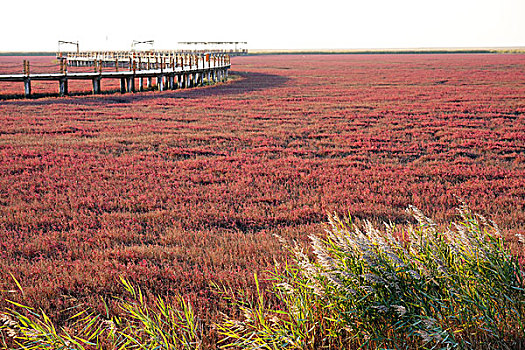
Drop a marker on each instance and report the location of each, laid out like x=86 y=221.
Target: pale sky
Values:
x=37 y=25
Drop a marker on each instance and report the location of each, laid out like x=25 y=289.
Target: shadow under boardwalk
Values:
x=248 y=82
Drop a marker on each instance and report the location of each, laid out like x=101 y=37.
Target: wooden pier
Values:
x=170 y=69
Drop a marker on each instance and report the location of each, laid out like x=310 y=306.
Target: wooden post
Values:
x=122 y=85
x=141 y=84
x=149 y=82
x=62 y=86
x=96 y=86
x=130 y=83
x=27 y=87
x=160 y=82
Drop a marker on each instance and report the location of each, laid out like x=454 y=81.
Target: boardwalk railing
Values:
x=171 y=69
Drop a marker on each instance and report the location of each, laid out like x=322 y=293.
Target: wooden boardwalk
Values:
x=170 y=69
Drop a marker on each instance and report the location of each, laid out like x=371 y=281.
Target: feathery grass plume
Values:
x=417 y=287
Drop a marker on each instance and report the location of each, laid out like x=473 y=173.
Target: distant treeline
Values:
x=384 y=52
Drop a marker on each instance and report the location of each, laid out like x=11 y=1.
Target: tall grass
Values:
x=416 y=286
x=141 y=325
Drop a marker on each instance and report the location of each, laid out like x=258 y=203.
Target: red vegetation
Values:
x=179 y=188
